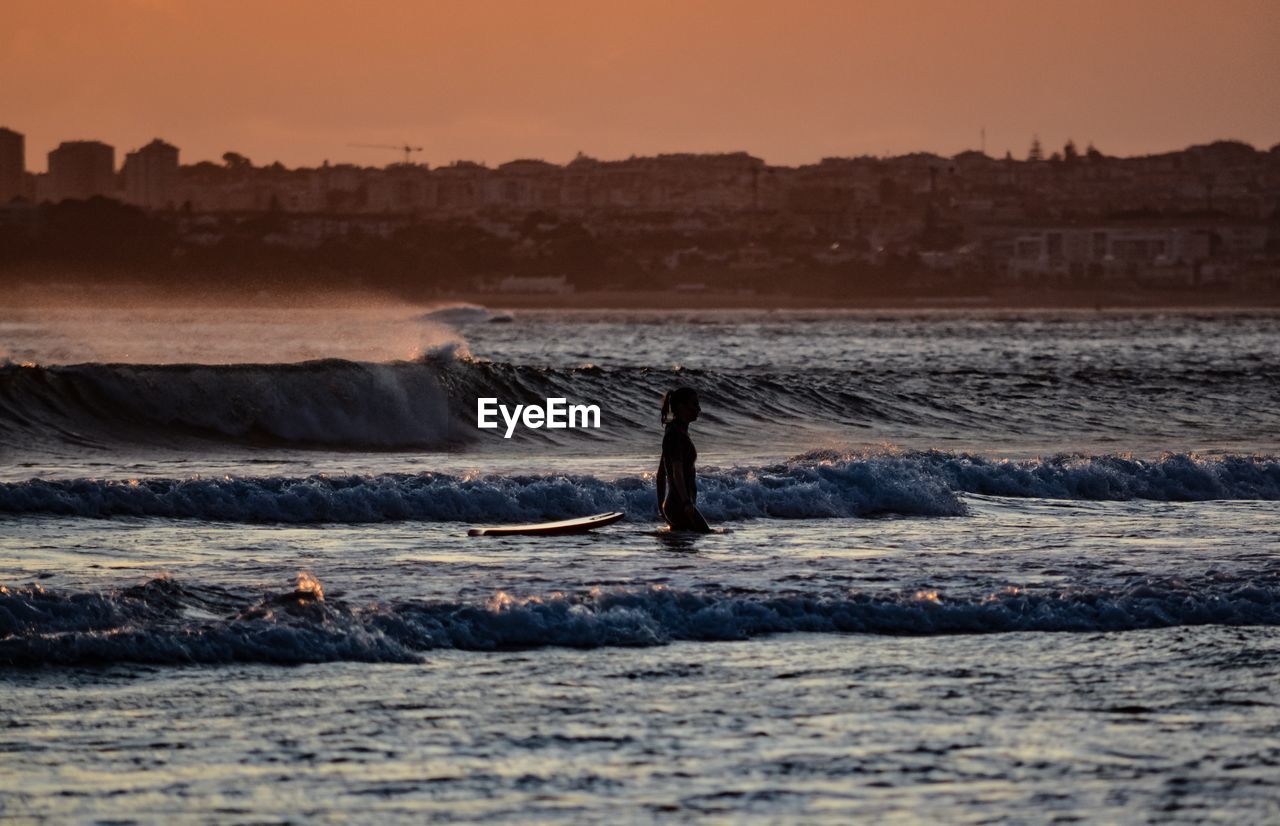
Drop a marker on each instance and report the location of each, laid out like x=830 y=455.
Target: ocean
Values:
x=970 y=566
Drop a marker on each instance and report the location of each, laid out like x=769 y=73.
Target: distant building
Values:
x=12 y=165
x=151 y=176
x=81 y=169
x=1109 y=251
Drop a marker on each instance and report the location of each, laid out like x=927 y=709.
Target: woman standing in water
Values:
x=677 y=481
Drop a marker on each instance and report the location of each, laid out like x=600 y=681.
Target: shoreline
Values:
x=72 y=294
x=996 y=301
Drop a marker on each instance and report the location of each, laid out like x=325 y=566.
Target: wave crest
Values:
x=804 y=490
x=1170 y=478
x=819 y=485
x=330 y=403
x=429 y=402
x=167 y=623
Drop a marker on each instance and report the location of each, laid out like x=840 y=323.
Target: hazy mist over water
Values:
x=378 y=331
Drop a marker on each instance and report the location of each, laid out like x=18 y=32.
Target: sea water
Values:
x=974 y=566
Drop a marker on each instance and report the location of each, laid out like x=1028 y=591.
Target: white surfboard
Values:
x=580 y=525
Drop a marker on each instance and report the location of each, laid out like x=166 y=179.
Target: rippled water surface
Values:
x=971 y=568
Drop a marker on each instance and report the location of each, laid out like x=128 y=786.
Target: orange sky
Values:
x=789 y=81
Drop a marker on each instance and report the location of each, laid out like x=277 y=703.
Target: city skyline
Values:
x=1202 y=218
x=1048 y=151
x=494 y=82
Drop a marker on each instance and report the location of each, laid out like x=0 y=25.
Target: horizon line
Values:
x=1048 y=153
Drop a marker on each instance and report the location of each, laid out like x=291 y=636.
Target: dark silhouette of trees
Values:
x=100 y=233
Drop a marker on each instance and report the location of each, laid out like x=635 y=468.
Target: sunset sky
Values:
x=791 y=82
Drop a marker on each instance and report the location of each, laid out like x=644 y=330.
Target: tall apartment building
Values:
x=151 y=176
x=12 y=164
x=82 y=169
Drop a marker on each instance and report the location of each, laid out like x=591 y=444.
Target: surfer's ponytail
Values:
x=681 y=395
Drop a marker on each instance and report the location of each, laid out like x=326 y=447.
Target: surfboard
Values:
x=580 y=525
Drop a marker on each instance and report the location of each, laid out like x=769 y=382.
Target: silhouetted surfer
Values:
x=677 y=481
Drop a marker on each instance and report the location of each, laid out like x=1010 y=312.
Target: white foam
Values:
x=1173 y=477
x=869 y=487
x=145 y=624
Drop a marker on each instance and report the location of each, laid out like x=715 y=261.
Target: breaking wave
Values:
x=165 y=622
x=331 y=403
x=800 y=490
x=1173 y=477
x=425 y=403
x=429 y=402
x=819 y=485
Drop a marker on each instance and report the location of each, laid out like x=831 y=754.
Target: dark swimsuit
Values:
x=678 y=450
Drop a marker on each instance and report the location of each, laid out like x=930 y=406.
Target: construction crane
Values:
x=406 y=148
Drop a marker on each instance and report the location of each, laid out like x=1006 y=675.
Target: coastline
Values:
x=995 y=301
x=26 y=295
